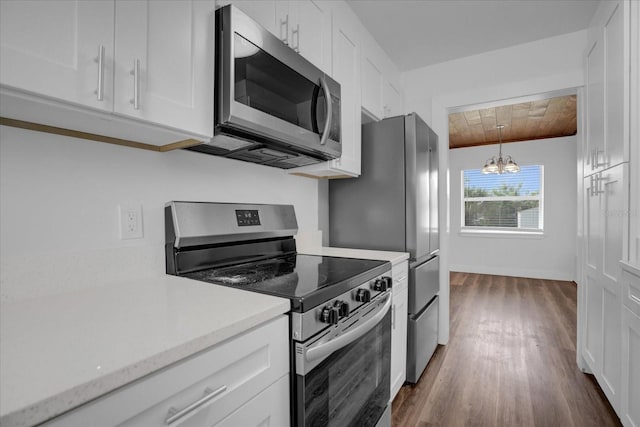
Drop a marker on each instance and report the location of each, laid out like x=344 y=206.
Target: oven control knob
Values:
x=388 y=281
x=363 y=295
x=329 y=315
x=342 y=307
x=380 y=285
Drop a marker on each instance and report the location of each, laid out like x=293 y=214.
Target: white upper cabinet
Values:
x=392 y=97
x=147 y=66
x=303 y=25
x=262 y=11
x=346 y=71
x=607 y=84
x=164 y=63
x=372 y=80
x=309 y=33
x=62 y=50
x=380 y=82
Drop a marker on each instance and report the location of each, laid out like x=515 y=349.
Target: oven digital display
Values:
x=247 y=217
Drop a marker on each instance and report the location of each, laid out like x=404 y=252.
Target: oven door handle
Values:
x=324 y=349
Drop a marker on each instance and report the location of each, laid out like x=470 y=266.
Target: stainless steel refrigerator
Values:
x=393 y=206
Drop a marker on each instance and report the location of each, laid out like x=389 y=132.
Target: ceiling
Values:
x=525 y=121
x=418 y=33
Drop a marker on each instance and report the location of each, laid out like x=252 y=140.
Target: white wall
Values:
x=551 y=256
x=531 y=68
x=59 y=199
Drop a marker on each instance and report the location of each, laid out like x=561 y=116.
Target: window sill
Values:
x=499 y=234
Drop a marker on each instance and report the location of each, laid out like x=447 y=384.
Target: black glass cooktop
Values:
x=307 y=280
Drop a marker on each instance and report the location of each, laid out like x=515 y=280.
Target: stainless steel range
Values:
x=340 y=322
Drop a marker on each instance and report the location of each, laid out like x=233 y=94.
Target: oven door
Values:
x=265 y=88
x=343 y=376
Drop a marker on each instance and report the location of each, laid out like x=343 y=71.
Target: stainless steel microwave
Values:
x=273 y=107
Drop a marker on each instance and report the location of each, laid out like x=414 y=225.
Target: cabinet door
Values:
x=264 y=13
x=310 y=31
x=346 y=70
x=392 y=100
x=592 y=227
x=399 y=327
x=604 y=207
x=607 y=83
x=269 y=408
x=372 y=83
x=51 y=48
x=595 y=106
x=616 y=84
x=592 y=343
x=399 y=340
x=630 y=414
x=164 y=61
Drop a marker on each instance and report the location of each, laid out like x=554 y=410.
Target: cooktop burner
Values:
x=307 y=280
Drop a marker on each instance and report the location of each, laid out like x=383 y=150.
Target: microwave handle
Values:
x=322 y=350
x=327 y=124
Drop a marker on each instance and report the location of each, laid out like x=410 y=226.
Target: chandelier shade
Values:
x=499 y=165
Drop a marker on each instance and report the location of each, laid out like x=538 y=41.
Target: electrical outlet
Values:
x=130 y=221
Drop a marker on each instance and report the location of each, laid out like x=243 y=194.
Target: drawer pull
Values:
x=175 y=414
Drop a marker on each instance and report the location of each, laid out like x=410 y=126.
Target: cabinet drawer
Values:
x=631 y=291
x=214 y=382
x=269 y=408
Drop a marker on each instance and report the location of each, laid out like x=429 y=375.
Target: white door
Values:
x=164 y=53
x=59 y=49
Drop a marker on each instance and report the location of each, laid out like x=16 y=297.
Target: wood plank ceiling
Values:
x=546 y=118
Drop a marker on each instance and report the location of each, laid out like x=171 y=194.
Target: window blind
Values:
x=503 y=202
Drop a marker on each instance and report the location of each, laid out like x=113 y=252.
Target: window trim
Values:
x=480 y=231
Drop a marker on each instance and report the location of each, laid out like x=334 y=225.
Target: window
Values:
x=507 y=202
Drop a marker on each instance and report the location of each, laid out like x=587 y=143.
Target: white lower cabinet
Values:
x=630 y=411
x=399 y=326
x=243 y=381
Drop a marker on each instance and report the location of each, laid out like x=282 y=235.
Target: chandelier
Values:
x=500 y=165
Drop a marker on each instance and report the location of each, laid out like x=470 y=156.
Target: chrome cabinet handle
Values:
x=285 y=22
x=327 y=123
x=175 y=414
x=596 y=158
x=136 y=84
x=100 y=61
x=326 y=348
x=296 y=33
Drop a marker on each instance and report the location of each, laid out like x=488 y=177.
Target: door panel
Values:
x=51 y=48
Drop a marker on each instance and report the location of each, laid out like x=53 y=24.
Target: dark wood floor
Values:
x=510 y=361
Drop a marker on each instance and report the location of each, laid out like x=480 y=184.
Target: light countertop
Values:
x=60 y=351
x=392 y=257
